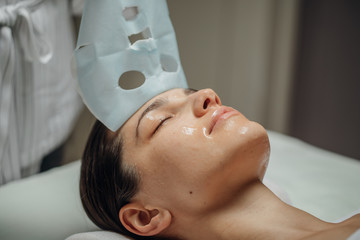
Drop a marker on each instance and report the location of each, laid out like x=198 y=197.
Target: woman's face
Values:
x=191 y=152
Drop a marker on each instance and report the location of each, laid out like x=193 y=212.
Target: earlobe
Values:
x=144 y=221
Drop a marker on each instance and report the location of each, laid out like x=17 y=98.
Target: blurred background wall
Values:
x=292 y=65
x=326 y=96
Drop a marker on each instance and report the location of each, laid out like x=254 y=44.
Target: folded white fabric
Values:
x=355 y=236
x=45 y=206
x=97 y=235
x=319 y=182
x=105 y=235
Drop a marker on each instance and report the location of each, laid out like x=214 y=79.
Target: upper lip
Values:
x=217 y=114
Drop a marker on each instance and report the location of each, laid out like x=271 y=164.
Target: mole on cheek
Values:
x=190 y=192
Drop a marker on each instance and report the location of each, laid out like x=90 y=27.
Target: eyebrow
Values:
x=189 y=91
x=157 y=104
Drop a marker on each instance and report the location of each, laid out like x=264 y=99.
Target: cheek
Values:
x=183 y=155
x=252 y=148
x=184 y=167
x=179 y=141
x=178 y=153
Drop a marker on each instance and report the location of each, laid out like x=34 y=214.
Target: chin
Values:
x=260 y=137
x=244 y=137
x=253 y=148
x=253 y=131
x=262 y=146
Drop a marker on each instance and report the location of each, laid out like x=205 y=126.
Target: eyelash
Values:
x=161 y=123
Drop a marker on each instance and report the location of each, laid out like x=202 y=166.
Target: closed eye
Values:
x=161 y=123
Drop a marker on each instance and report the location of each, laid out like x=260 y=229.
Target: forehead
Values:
x=169 y=95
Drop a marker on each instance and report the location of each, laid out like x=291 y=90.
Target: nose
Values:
x=204 y=100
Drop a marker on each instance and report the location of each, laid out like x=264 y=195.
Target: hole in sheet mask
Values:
x=168 y=63
x=131 y=80
x=130 y=13
x=146 y=34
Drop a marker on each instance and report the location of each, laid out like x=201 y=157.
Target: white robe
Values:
x=38 y=99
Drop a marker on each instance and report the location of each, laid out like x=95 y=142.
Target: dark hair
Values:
x=106 y=182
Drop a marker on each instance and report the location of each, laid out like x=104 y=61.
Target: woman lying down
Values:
x=186 y=167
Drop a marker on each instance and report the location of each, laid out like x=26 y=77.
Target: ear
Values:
x=144 y=221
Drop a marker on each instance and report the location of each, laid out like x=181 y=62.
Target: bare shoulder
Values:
x=340 y=231
x=355 y=218
x=353 y=221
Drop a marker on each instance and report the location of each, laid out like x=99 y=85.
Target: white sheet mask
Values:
x=118 y=37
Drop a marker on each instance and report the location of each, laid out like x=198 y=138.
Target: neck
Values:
x=255 y=213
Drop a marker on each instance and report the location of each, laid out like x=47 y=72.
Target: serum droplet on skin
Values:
x=205 y=132
x=188 y=130
x=244 y=130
